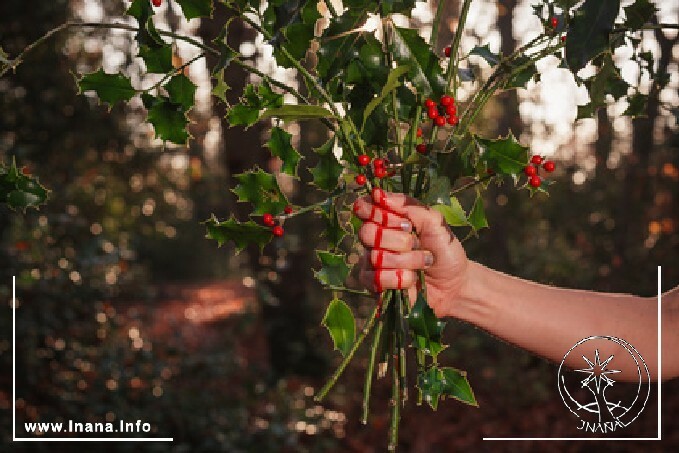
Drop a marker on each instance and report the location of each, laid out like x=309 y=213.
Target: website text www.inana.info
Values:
x=76 y=427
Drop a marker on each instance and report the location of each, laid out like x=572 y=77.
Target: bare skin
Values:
x=542 y=319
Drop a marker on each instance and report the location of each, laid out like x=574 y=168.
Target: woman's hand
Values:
x=394 y=254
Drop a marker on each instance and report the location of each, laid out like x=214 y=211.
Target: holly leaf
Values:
x=454 y=384
x=426 y=327
x=392 y=83
x=328 y=170
x=110 y=88
x=477 y=216
x=168 y=119
x=454 y=213
x=637 y=103
x=220 y=87
x=295 y=112
x=226 y=53
x=340 y=322
x=253 y=101
x=589 y=30
x=158 y=60
x=241 y=233
x=280 y=146
x=503 y=155
x=639 y=13
x=439 y=191
x=484 y=52
x=195 y=8
x=20 y=191
x=261 y=189
x=429 y=383
x=333 y=229
x=424 y=69
x=181 y=91
x=334 y=269
x=147 y=35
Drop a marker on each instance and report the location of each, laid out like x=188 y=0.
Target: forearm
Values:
x=548 y=321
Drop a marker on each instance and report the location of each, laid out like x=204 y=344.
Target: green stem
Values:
x=396 y=400
x=435 y=24
x=471 y=184
x=349 y=290
x=454 y=48
x=364 y=333
x=371 y=370
x=173 y=72
x=401 y=337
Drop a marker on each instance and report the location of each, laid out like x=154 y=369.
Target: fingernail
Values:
x=428 y=259
x=406 y=226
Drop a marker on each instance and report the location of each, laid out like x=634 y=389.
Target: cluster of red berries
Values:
x=444 y=112
x=156 y=3
x=379 y=169
x=531 y=170
x=268 y=220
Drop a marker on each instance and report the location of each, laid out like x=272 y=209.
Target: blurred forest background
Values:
x=127 y=312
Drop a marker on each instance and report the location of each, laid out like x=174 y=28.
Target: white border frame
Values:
x=57 y=439
x=659 y=437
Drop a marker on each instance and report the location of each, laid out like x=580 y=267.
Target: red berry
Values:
x=554 y=21
x=451 y=110
x=549 y=166
x=380 y=172
x=268 y=219
x=530 y=170
x=421 y=148
x=453 y=120
x=447 y=51
x=429 y=103
x=535 y=181
x=447 y=100
x=563 y=38
x=278 y=231
x=440 y=121
x=537 y=160
x=490 y=171
x=378 y=163
x=288 y=209
x=433 y=113
x=363 y=160
x=361 y=180
x=156 y=3
x=419 y=132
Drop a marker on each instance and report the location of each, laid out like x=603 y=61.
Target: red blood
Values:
x=379 y=258
x=268 y=219
x=378 y=237
x=549 y=166
x=378 y=288
x=530 y=170
x=361 y=180
x=433 y=113
x=429 y=103
x=535 y=181
x=421 y=148
x=372 y=213
x=278 y=231
x=399 y=278
x=537 y=160
x=288 y=209
x=385 y=218
x=363 y=160
x=453 y=120
x=447 y=51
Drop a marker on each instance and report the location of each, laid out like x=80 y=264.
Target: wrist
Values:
x=474 y=303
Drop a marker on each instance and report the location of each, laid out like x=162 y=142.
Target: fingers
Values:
x=368 y=211
x=379 y=280
x=424 y=219
x=416 y=259
x=376 y=236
